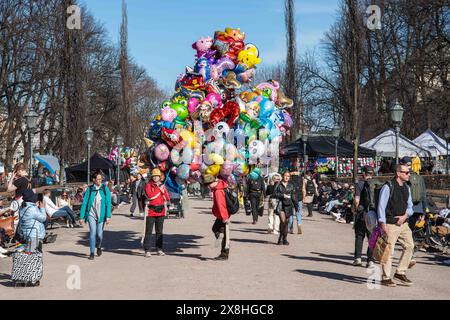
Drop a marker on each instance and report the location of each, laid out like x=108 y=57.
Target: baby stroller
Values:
x=175 y=208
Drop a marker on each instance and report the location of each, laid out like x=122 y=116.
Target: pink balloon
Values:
x=168 y=114
x=193 y=104
x=215 y=99
x=227 y=169
x=162 y=152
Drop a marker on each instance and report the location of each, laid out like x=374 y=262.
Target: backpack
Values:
x=416 y=188
x=232 y=201
x=310 y=188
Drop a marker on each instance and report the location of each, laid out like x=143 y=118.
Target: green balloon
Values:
x=181 y=110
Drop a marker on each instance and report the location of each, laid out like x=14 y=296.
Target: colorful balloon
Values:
x=162 y=152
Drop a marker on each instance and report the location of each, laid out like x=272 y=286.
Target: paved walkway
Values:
x=317 y=264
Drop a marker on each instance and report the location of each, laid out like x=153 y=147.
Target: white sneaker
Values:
x=161 y=253
x=2 y=256
x=336 y=215
x=276 y=232
x=370 y=264
x=357 y=262
x=2 y=250
x=341 y=220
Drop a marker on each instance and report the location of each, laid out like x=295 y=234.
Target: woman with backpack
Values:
x=96 y=211
x=157 y=196
x=309 y=192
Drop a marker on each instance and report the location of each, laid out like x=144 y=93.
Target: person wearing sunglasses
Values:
x=395 y=206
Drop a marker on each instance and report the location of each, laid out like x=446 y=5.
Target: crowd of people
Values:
x=397 y=205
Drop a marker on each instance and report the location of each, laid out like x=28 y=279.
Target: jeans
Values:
x=96 y=233
x=65 y=212
x=299 y=216
x=159 y=224
x=331 y=204
x=360 y=233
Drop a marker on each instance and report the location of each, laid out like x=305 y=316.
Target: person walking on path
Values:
x=96 y=211
x=220 y=211
x=157 y=196
x=394 y=208
x=137 y=189
x=255 y=189
x=297 y=180
x=309 y=192
x=274 y=219
x=285 y=193
x=363 y=204
x=418 y=189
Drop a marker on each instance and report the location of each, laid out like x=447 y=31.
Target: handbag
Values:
x=157 y=209
x=382 y=250
x=8 y=225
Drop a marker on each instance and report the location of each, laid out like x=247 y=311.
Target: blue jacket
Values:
x=32 y=221
x=89 y=195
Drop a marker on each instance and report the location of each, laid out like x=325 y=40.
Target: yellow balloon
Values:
x=416 y=165
x=216 y=158
x=213 y=169
x=148 y=142
x=188 y=137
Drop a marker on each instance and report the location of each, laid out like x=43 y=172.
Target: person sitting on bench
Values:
x=53 y=212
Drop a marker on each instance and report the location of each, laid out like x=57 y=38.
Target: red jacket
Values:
x=219 y=208
x=151 y=190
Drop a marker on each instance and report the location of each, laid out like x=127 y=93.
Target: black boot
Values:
x=280 y=240
x=223 y=255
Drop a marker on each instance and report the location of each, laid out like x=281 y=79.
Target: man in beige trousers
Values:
x=394 y=208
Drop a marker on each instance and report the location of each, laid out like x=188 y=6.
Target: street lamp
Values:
x=305 y=156
x=31 y=120
x=119 y=142
x=336 y=134
x=89 y=137
x=447 y=138
x=397 y=117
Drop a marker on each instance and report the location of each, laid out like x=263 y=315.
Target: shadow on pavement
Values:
x=252 y=241
x=317 y=259
x=333 y=276
x=258 y=231
x=333 y=256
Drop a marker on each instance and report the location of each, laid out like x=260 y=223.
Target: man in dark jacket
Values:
x=254 y=192
x=363 y=204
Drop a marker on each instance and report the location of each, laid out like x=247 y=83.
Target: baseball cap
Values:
x=406 y=160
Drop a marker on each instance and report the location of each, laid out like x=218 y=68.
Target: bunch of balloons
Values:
x=211 y=125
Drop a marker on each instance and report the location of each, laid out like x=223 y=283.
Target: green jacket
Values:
x=88 y=200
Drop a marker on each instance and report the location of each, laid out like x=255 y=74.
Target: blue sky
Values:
x=161 y=32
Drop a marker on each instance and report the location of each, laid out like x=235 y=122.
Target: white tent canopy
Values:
x=432 y=142
x=384 y=145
